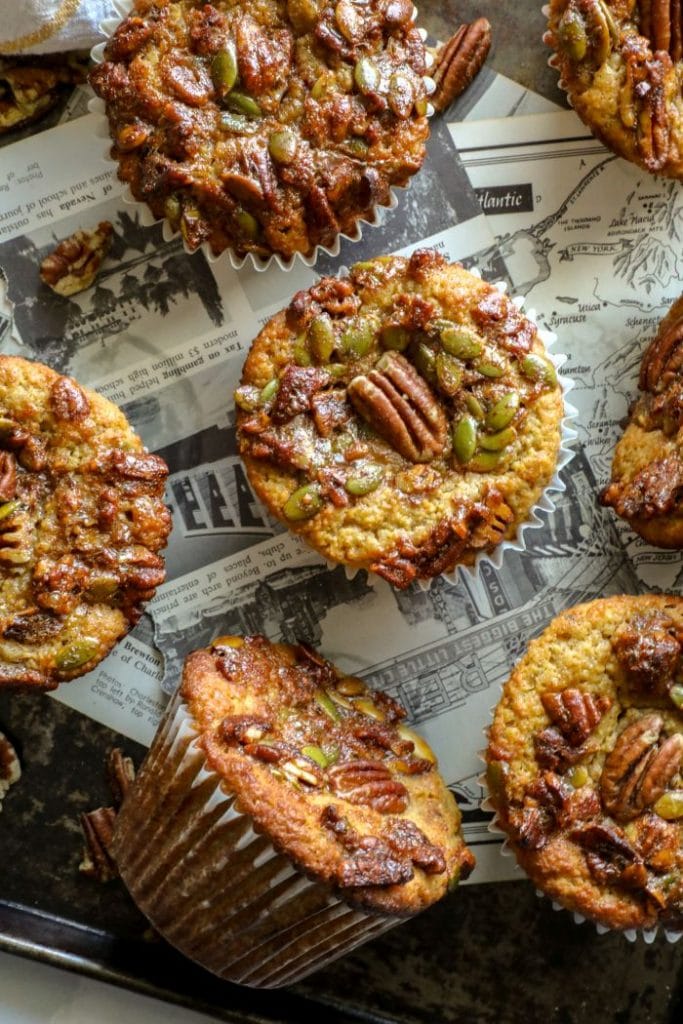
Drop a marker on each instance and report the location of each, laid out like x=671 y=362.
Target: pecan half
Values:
x=68 y=400
x=648 y=650
x=663 y=358
x=575 y=713
x=660 y=22
x=16 y=538
x=98 y=861
x=638 y=769
x=642 y=101
x=396 y=401
x=74 y=264
x=297 y=386
x=459 y=61
x=652 y=492
x=120 y=772
x=369 y=783
x=10 y=767
x=8 y=476
x=608 y=852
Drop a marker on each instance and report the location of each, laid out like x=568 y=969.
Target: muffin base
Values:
x=215 y=888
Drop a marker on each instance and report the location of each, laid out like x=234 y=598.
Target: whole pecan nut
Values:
x=637 y=771
x=396 y=402
x=459 y=61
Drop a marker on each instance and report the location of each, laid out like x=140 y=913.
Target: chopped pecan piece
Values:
x=654 y=491
x=657 y=842
x=74 y=264
x=500 y=318
x=8 y=476
x=68 y=400
x=643 y=102
x=10 y=767
x=33 y=627
x=663 y=358
x=396 y=401
x=608 y=852
x=374 y=863
x=410 y=842
x=123 y=465
x=98 y=828
x=244 y=728
x=649 y=650
x=637 y=771
x=330 y=410
x=575 y=713
x=298 y=384
x=459 y=61
x=554 y=751
x=369 y=783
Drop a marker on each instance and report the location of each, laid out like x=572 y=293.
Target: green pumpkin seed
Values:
x=322 y=86
x=303 y=14
x=537 y=368
x=460 y=342
x=335 y=369
x=321 y=338
x=464 y=438
x=496 y=774
x=425 y=361
x=102 y=588
x=366 y=75
x=269 y=390
x=243 y=104
x=247 y=224
x=316 y=755
x=676 y=694
x=453 y=881
x=282 y=146
x=503 y=412
x=237 y=123
x=421 y=106
x=367 y=707
x=579 y=777
x=572 y=35
x=448 y=373
x=395 y=337
x=8 y=509
x=324 y=700
x=496 y=442
x=670 y=805
x=609 y=19
x=401 y=94
x=172 y=209
x=303 y=503
x=224 y=71
x=366 y=477
x=420 y=745
x=485 y=462
x=349 y=686
x=488 y=368
x=300 y=353
x=357 y=339
x=76 y=654
x=475 y=407
x=357 y=148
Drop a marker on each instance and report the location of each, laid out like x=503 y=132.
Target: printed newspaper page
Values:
x=164 y=335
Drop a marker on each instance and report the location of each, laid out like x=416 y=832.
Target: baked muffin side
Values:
x=265 y=128
x=584 y=761
x=82 y=519
x=402 y=419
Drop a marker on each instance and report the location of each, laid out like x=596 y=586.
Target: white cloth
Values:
x=50 y=26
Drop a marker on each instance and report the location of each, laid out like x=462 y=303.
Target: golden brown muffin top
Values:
x=327 y=769
x=402 y=419
x=82 y=518
x=621 y=62
x=267 y=127
x=647 y=472
x=584 y=761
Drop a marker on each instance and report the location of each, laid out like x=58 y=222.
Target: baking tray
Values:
x=487 y=953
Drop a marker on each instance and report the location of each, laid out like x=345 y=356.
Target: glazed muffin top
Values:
x=621 y=62
x=327 y=769
x=646 y=488
x=584 y=761
x=82 y=518
x=401 y=419
x=269 y=127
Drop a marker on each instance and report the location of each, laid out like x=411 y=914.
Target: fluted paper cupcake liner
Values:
x=213 y=886
x=507 y=850
x=148 y=219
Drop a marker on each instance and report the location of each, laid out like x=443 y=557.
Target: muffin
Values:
x=646 y=488
x=284 y=815
x=584 y=761
x=401 y=419
x=270 y=129
x=620 y=62
x=82 y=519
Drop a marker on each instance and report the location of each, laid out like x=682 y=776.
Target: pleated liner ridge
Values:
x=212 y=886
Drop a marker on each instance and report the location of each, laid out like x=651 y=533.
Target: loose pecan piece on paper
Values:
x=459 y=61
x=639 y=768
x=74 y=264
x=396 y=402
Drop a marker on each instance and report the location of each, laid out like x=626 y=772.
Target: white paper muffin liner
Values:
x=213 y=886
x=496 y=829
x=545 y=504
x=97 y=106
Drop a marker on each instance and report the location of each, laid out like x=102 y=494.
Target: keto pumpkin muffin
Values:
x=284 y=815
x=401 y=419
x=82 y=519
x=621 y=63
x=646 y=488
x=584 y=761
x=268 y=127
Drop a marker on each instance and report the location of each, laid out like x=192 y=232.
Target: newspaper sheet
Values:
x=164 y=335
